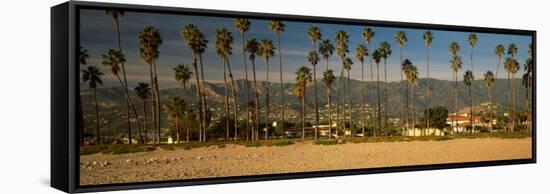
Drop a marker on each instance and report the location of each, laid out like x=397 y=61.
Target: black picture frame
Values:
x=65 y=88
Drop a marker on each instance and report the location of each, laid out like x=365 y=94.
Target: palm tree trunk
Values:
x=303 y=113
x=235 y=108
x=413 y=110
x=267 y=100
x=372 y=82
x=81 y=118
x=98 y=138
x=205 y=105
x=156 y=88
x=471 y=109
x=186 y=112
x=456 y=101
x=510 y=125
x=350 y=106
x=329 y=112
x=134 y=110
x=315 y=100
x=402 y=90
x=145 y=120
x=490 y=109
x=125 y=86
x=256 y=103
x=513 y=102
x=428 y=89
x=385 y=96
x=246 y=88
x=378 y=98
x=226 y=93
x=362 y=101
x=177 y=122
x=282 y=87
x=153 y=106
x=199 y=95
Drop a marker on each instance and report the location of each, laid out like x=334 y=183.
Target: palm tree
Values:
x=183 y=74
x=385 y=48
x=428 y=37
x=368 y=34
x=303 y=75
x=277 y=27
x=115 y=15
x=489 y=79
x=150 y=41
x=472 y=40
x=92 y=75
x=224 y=39
x=527 y=82
x=326 y=49
x=328 y=80
x=83 y=60
x=377 y=56
x=361 y=52
x=243 y=25
x=314 y=34
x=511 y=66
x=468 y=81
x=111 y=60
x=406 y=64
x=347 y=66
x=313 y=59
x=342 y=50
x=401 y=39
x=175 y=110
x=144 y=92
x=456 y=64
x=197 y=43
x=411 y=73
x=266 y=50
x=253 y=49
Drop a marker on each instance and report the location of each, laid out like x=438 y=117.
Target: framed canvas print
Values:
x=146 y=96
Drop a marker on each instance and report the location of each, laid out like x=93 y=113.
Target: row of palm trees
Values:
x=177 y=108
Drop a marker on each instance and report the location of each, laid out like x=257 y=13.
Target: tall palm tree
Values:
x=428 y=37
x=314 y=34
x=175 y=110
x=111 y=60
x=385 y=48
x=150 y=41
x=144 y=92
x=347 y=66
x=115 y=15
x=406 y=64
x=83 y=60
x=411 y=73
x=253 y=49
x=266 y=50
x=224 y=39
x=313 y=59
x=499 y=51
x=328 y=80
x=303 y=76
x=401 y=39
x=341 y=39
x=368 y=34
x=377 y=56
x=197 y=43
x=361 y=52
x=182 y=75
x=527 y=82
x=511 y=66
x=93 y=75
x=277 y=27
x=472 y=40
x=243 y=25
x=456 y=64
x=489 y=79
x=468 y=81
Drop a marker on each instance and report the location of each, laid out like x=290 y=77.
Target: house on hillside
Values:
x=461 y=121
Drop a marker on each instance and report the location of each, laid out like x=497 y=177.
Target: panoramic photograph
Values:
x=167 y=97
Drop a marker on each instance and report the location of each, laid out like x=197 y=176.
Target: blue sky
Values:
x=98 y=34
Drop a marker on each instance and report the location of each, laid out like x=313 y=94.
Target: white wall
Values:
x=25 y=52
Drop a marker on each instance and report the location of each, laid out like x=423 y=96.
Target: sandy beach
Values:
x=236 y=160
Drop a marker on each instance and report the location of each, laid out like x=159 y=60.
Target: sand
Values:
x=235 y=160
